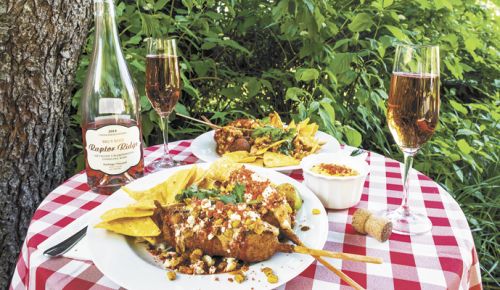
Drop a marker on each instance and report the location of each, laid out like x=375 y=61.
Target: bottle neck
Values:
x=105 y=27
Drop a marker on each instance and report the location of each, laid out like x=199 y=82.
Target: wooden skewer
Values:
x=337 y=255
x=209 y=124
x=208 y=121
x=295 y=239
x=288 y=248
x=339 y=273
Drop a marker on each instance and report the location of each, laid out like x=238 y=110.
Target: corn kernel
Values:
x=171 y=275
x=239 y=277
x=315 y=211
x=272 y=279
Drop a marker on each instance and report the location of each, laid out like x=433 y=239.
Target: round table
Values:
x=442 y=259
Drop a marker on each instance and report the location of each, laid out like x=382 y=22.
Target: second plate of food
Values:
x=264 y=142
x=131 y=264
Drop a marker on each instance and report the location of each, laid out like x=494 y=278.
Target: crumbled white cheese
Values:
x=242 y=206
x=268 y=192
x=256 y=177
x=208 y=260
x=212 y=270
x=190 y=220
x=231 y=264
x=210 y=236
x=172 y=262
x=198 y=267
x=248 y=197
x=235 y=217
x=206 y=203
x=253 y=215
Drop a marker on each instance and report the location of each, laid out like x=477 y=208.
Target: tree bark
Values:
x=40 y=44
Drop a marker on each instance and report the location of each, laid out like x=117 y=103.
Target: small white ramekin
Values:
x=336 y=192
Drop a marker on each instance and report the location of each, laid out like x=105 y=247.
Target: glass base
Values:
x=408 y=222
x=162 y=163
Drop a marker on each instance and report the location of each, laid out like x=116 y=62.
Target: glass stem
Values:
x=408 y=162
x=166 y=152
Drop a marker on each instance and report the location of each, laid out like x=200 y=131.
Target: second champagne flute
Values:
x=163 y=89
x=412 y=117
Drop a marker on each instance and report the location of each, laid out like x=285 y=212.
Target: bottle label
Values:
x=111 y=106
x=113 y=149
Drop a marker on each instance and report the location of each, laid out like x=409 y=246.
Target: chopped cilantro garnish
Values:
x=195 y=192
x=235 y=196
x=274 y=133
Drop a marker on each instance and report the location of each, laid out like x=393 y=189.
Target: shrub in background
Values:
x=331 y=61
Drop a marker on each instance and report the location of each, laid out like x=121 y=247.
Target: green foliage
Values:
x=331 y=61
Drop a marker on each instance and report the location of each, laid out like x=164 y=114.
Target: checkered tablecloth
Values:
x=443 y=259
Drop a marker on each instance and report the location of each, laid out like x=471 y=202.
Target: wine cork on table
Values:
x=365 y=222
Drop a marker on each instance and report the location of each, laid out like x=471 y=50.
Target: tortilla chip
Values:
x=135 y=227
x=240 y=157
x=275 y=120
x=143 y=205
x=198 y=176
x=265 y=149
x=153 y=193
x=177 y=182
x=309 y=130
x=221 y=169
x=272 y=159
x=166 y=191
x=258 y=162
x=125 y=212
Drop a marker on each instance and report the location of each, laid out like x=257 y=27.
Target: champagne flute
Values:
x=412 y=117
x=163 y=89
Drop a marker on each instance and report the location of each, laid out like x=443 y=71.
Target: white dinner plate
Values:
x=204 y=146
x=131 y=266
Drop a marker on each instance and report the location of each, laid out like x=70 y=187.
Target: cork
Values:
x=359 y=219
x=377 y=227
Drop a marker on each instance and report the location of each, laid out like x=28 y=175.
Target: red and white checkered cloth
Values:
x=443 y=259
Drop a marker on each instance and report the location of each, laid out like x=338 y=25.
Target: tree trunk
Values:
x=40 y=44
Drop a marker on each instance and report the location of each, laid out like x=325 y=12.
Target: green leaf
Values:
x=360 y=22
x=465 y=132
x=208 y=45
x=294 y=93
x=145 y=103
x=181 y=109
x=382 y=4
x=464 y=146
x=160 y=4
x=306 y=75
x=458 y=172
x=442 y=4
x=398 y=33
x=459 y=107
x=341 y=63
x=329 y=109
x=328 y=122
x=354 y=138
x=147 y=126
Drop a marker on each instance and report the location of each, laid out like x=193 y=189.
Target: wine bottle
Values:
x=111 y=126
